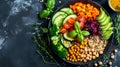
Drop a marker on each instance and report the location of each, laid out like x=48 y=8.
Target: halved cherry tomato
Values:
x=67 y=25
x=71 y=21
x=81 y=19
x=71 y=28
x=81 y=25
x=63 y=30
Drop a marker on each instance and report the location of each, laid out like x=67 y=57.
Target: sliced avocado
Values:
x=101 y=16
x=58 y=14
x=106 y=21
x=107 y=35
x=59 y=20
x=106 y=27
x=66 y=19
x=67 y=37
x=67 y=10
x=104 y=31
x=102 y=20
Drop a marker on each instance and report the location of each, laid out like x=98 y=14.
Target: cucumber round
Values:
x=66 y=43
x=67 y=10
x=67 y=37
x=68 y=17
x=58 y=14
x=59 y=20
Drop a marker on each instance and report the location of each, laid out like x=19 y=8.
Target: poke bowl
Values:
x=80 y=32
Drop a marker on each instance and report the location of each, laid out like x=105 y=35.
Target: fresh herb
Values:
x=78 y=32
x=44 y=30
x=43 y=49
x=50 y=4
x=106 y=57
x=117 y=27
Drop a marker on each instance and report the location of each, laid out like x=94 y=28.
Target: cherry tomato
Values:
x=63 y=30
x=81 y=19
x=71 y=21
x=71 y=28
x=67 y=25
x=81 y=25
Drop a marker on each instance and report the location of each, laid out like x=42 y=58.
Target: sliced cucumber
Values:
x=67 y=10
x=66 y=19
x=67 y=37
x=59 y=20
x=66 y=43
x=58 y=14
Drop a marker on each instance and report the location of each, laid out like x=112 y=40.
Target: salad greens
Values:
x=78 y=32
x=50 y=4
x=54 y=30
x=117 y=27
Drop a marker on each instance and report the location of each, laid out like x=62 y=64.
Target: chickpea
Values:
x=115 y=50
x=94 y=53
x=100 y=63
x=95 y=64
x=92 y=50
x=90 y=53
x=90 y=58
x=112 y=56
x=97 y=55
x=87 y=58
x=84 y=60
x=68 y=58
x=101 y=52
x=110 y=63
x=93 y=57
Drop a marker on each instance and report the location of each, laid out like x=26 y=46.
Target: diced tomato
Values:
x=63 y=30
x=81 y=19
x=67 y=25
x=71 y=21
x=71 y=28
x=81 y=25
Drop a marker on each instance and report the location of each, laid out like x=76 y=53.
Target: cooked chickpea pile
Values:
x=87 y=50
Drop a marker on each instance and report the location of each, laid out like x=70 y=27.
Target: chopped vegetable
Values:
x=85 y=9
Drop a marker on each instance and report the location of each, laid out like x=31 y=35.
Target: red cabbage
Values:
x=93 y=27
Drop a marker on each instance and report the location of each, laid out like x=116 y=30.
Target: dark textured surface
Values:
x=17 y=18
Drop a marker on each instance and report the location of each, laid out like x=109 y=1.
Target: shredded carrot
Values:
x=85 y=9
